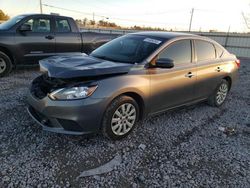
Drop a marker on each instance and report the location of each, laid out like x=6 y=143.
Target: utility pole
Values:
x=226 y=41
x=191 y=19
x=41 y=7
x=93 y=19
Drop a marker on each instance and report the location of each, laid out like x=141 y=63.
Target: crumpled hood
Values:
x=73 y=66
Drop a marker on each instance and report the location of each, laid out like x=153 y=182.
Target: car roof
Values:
x=165 y=35
x=36 y=14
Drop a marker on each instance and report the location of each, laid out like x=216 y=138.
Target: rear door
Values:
x=68 y=40
x=175 y=86
x=39 y=42
x=209 y=68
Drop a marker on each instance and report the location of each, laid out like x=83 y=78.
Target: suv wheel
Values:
x=5 y=64
x=120 y=118
x=220 y=94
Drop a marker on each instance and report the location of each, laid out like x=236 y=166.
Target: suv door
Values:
x=67 y=40
x=38 y=43
x=209 y=68
x=175 y=86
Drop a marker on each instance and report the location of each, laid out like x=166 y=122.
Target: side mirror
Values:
x=25 y=27
x=164 y=63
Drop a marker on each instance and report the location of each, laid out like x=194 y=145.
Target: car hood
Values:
x=73 y=66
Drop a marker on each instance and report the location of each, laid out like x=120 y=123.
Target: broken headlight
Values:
x=71 y=93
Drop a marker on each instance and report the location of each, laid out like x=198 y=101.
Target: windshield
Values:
x=128 y=49
x=8 y=24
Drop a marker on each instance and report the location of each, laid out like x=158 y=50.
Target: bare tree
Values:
x=84 y=21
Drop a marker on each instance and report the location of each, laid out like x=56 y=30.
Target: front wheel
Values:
x=5 y=65
x=220 y=94
x=120 y=118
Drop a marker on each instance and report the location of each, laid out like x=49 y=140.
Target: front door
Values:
x=175 y=86
x=38 y=43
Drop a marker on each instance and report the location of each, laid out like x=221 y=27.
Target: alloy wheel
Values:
x=123 y=119
x=2 y=65
x=222 y=93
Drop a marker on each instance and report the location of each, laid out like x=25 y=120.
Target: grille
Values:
x=70 y=125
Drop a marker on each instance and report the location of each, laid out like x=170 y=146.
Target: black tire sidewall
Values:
x=107 y=130
x=8 y=64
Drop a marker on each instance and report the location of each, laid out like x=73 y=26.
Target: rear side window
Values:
x=179 y=51
x=62 y=25
x=204 y=50
x=219 y=51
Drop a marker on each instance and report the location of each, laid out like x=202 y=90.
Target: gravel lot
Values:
x=182 y=148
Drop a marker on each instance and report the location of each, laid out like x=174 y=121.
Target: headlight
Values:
x=76 y=92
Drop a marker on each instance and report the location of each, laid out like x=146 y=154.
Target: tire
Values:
x=5 y=65
x=124 y=112
x=220 y=94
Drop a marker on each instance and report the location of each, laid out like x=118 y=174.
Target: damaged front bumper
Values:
x=75 y=117
x=44 y=122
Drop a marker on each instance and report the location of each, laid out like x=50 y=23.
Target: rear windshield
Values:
x=10 y=23
x=128 y=49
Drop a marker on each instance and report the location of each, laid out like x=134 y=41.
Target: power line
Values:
x=76 y=11
x=165 y=12
x=91 y=6
x=51 y=6
x=103 y=16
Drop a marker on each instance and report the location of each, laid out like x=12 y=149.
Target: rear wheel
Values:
x=5 y=64
x=120 y=118
x=220 y=94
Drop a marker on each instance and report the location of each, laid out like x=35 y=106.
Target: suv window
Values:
x=179 y=51
x=204 y=50
x=39 y=25
x=62 y=25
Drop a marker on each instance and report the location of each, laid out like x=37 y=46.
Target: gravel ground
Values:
x=182 y=148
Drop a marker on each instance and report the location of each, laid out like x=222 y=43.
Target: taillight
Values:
x=237 y=63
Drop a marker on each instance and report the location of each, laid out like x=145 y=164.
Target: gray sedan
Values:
x=128 y=78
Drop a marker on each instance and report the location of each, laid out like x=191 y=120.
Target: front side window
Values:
x=179 y=51
x=62 y=25
x=128 y=49
x=39 y=25
x=204 y=50
x=11 y=22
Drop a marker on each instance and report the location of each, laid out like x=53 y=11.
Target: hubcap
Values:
x=2 y=65
x=222 y=93
x=123 y=119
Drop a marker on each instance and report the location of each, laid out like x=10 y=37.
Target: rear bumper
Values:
x=76 y=117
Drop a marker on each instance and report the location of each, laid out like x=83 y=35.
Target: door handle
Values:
x=49 y=37
x=218 y=69
x=189 y=75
